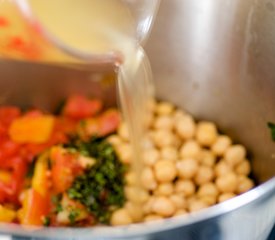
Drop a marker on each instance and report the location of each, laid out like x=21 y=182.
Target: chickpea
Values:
x=179 y=201
x=121 y=217
x=186 y=187
x=147 y=179
x=177 y=141
x=169 y=153
x=125 y=153
x=222 y=143
x=244 y=184
x=123 y=131
x=243 y=168
x=225 y=196
x=147 y=143
x=206 y=133
x=234 y=155
x=163 y=206
x=136 y=194
x=222 y=168
x=196 y=205
x=148 y=206
x=208 y=189
x=164 y=122
x=187 y=168
x=204 y=174
x=178 y=114
x=115 y=140
x=152 y=217
x=165 y=171
x=185 y=127
x=180 y=212
x=208 y=199
x=131 y=178
x=164 y=189
x=151 y=156
x=164 y=108
x=163 y=138
x=227 y=183
x=134 y=211
x=190 y=149
x=207 y=158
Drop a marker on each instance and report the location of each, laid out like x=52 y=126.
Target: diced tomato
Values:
x=3 y=21
x=8 y=114
x=64 y=169
x=35 y=206
x=108 y=122
x=28 y=48
x=34 y=113
x=10 y=148
x=36 y=201
x=79 y=107
x=101 y=126
x=10 y=190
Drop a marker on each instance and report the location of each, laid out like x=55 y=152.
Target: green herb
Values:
x=272 y=128
x=74 y=213
x=30 y=171
x=56 y=200
x=46 y=221
x=101 y=187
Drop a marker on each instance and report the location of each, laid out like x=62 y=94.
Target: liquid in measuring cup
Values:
x=62 y=31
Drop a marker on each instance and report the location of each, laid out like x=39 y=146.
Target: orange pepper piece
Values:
x=32 y=129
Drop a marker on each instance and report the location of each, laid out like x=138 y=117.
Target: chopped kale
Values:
x=100 y=188
x=272 y=129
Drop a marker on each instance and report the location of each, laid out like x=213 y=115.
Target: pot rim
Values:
x=262 y=191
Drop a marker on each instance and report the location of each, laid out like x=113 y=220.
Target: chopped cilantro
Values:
x=46 y=221
x=101 y=187
x=272 y=129
x=74 y=213
x=56 y=200
x=30 y=171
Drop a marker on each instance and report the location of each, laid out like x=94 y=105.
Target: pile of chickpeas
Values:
x=188 y=166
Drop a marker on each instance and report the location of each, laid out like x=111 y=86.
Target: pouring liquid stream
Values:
x=101 y=27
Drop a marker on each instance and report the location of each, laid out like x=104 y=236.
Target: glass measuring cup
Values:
x=26 y=36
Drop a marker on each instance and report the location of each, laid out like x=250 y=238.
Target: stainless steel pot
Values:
x=217 y=60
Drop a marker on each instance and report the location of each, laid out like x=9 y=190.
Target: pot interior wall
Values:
x=216 y=59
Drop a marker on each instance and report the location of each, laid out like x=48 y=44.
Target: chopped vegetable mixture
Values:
x=73 y=168
x=59 y=170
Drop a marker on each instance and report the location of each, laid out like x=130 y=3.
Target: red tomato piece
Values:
x=79 y=107
x=64 y=169
x=35 y=206
x=9 y=191
x=8 y=114
x=27 y=48
x=108 y=122
x=3 y=21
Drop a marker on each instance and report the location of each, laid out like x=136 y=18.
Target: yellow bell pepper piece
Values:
x=40 y=180
x=6 y=215
x=30 y=129
x=5 y=176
